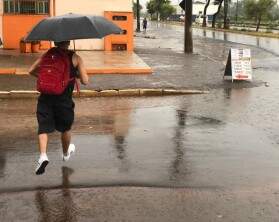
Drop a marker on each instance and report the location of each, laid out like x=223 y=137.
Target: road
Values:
x=185 y=158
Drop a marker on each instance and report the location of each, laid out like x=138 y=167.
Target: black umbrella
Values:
x=71 y=27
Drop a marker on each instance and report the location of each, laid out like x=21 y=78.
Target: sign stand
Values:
x=238 y=65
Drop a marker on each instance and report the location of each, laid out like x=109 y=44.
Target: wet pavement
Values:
x=96 y=62
x=118 y=143
x=204 y=157
x=171 y=67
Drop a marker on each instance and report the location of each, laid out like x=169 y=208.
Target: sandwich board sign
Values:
x=238 y=65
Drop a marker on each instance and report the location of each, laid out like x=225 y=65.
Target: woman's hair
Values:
x=62 y=44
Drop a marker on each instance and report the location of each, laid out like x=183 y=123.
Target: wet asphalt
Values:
x=184 y=158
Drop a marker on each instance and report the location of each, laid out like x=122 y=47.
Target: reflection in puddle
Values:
x=270 y=44
x=2 y=163
x=136 y=141
x=62 y=207
x=178 y=140
x=120 y=147
x=208 y=120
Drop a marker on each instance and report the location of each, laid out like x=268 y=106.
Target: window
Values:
x=9 y=6
x=26 y=6
x=42 y=7
x=119 y=18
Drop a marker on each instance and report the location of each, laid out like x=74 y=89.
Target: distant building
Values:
x=19 y=16
x=198 y=7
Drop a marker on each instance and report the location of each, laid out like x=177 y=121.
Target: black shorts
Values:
x=55 y=114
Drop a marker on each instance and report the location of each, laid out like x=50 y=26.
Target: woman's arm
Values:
x=81 y=68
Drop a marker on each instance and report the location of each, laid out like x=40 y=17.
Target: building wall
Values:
x=124 y=41
x=1 y=19
x=16 y=27
x=91 y=7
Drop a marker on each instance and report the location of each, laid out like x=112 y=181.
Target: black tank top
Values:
x=73 y=74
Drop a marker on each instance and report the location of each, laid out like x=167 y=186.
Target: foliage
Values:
x=150 y=6
x=258 y=9
x=166 y=11
x=162 y=8
x=274 y=14
x=219 y=3
x=226 y=18
x=237 y=12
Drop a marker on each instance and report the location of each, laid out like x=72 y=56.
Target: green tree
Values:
x=166 y=10
x=274 y=14
x=150 y=6
x=219 y=3
x=226 y=8
x=237 y=11
x=258 y=10
x=162 y=8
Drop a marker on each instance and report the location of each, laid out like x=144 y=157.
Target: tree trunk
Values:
x=138 y=17
x=188 y=40
x=215 y=15
x=258 y=23
x=158 y=6
x=226 y=5
x=204 y=13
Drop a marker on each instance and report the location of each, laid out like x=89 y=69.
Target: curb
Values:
x=107 y=93
x=151 y=92
x=23 y=94
x=129 y=92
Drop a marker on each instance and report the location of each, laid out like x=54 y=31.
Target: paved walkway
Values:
x=97 y=62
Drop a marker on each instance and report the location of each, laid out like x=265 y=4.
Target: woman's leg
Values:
x=43 y=138
x=66 y=140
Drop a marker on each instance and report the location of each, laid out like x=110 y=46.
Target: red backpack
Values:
x=54 y=72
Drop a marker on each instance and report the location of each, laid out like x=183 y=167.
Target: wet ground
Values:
x=96 y=62
x=185 y=158
x=173 y=69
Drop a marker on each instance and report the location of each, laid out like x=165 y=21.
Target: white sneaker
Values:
x=70 y=151
x=42 y=163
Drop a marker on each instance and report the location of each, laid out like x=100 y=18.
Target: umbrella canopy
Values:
x=71 y=27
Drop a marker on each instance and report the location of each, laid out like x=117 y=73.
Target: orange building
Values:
x=19 y=16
